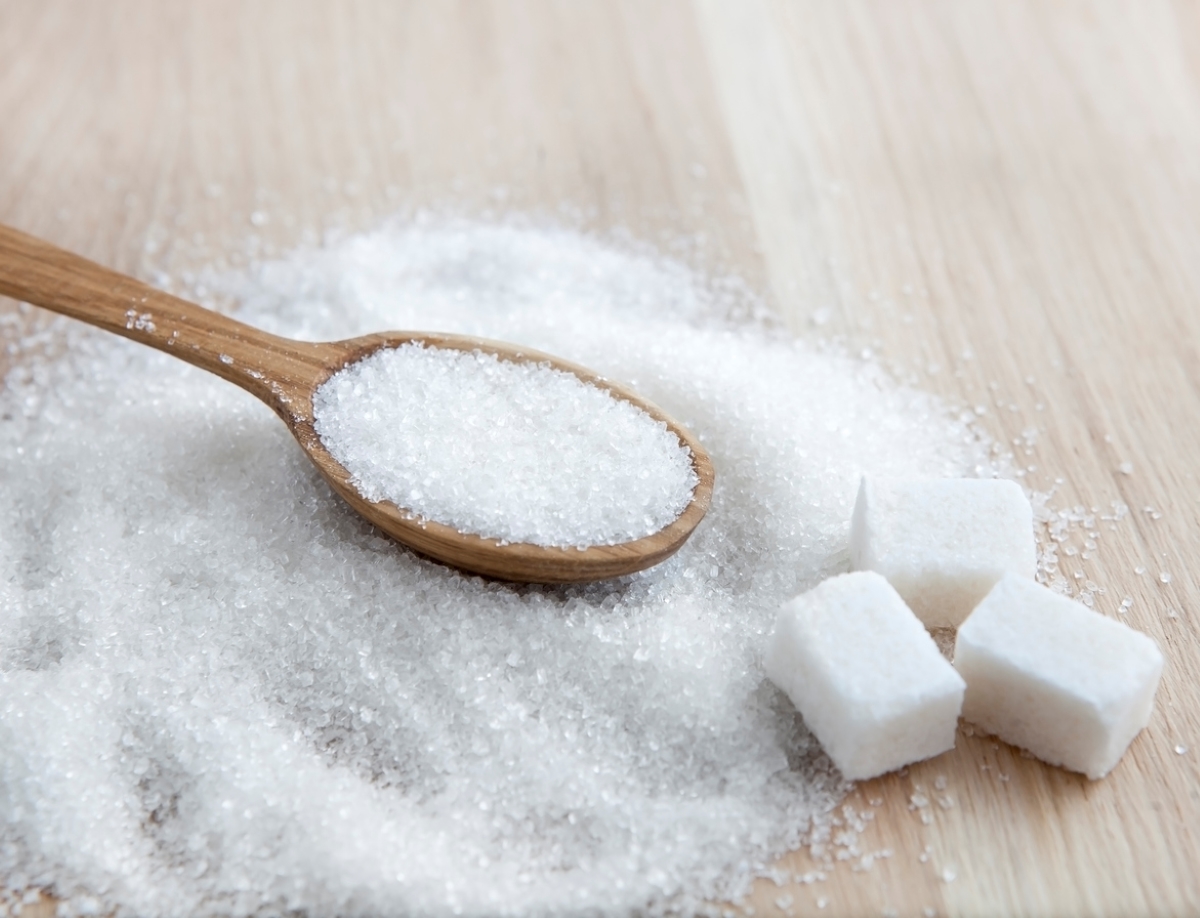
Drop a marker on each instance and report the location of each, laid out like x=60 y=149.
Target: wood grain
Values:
x=997 y=198
x=1000 y=199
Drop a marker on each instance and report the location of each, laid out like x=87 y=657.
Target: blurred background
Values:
x=999 y=200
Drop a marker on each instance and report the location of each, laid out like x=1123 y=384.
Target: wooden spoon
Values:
x=285 y=374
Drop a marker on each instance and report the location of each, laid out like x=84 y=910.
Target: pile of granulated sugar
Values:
x=222 y=693
x=519 y=452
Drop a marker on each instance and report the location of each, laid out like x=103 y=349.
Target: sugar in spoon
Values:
x=285 y=374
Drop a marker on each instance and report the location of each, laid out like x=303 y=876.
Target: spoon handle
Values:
x=276 y=370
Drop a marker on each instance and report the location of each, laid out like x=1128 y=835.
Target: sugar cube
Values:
x=1056 y=678
x=865 y=674
x=943 y=543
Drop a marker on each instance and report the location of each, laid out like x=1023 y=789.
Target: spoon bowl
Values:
x=285 y=374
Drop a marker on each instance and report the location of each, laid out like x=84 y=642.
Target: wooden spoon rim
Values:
x=285 y=374
x=515 y=561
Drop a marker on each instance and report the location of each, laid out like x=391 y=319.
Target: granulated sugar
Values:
x=519 y=452
x=223 y=692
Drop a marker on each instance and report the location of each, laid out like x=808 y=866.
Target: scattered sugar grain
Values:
x=222 y=692
x=519 y=452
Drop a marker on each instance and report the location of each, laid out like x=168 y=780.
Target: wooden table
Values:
x=1001 y=199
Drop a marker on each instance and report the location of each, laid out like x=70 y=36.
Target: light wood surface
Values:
x=285 y=374
x=1001 y=200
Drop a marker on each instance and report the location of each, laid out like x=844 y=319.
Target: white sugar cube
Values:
x=865 y=674
x=943 y=543
x=1054 y=677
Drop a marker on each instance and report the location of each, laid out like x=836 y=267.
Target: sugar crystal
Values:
x=222 y=692
x=520 y=452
